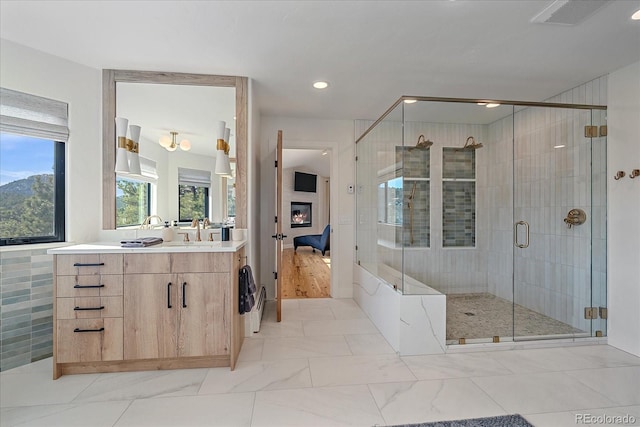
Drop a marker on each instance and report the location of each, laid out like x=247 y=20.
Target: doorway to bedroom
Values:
x=306 y=257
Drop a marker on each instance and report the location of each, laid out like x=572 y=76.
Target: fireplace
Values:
x=300 y=214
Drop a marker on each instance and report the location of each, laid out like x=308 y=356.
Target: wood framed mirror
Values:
x=110 y=78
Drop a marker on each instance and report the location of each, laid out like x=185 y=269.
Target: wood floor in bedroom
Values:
x=305 y=274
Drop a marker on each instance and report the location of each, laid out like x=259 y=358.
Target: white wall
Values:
x=37 y=73
x=254 y=191
x=623 y=120
x=338 y=136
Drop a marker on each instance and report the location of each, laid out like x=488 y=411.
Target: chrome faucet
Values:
x=206 y=223
x=196 y=223
x=146 y=225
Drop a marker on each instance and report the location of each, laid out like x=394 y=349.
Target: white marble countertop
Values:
x=167 y=247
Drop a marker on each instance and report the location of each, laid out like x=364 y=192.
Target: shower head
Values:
x=422 y=143
x=473 y=145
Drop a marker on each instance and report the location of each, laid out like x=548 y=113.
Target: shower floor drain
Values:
x=468 y=313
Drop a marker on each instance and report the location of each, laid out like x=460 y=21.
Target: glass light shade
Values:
x=134 y=163
x=165 y=141
x=134 y=130
x=122 y=160
x=222 y=163
x=185 y=145
x=121 y=126
x=219 y=127
x=227 y=134
x=172 y=147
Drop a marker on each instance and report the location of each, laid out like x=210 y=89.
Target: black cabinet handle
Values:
x=169 y=295
x=184 y=295
x=88 y=330
x=88 y=286
x=79 y=264
x=88 y=308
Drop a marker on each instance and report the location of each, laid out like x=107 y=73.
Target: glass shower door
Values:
x=552 y=200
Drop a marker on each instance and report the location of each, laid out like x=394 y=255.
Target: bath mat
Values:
x=501 y=421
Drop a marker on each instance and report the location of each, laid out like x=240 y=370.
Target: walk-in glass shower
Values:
x=500 y=206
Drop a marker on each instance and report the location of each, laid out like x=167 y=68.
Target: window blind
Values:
x=195 y=177
x=148 y=169
x=31 y=115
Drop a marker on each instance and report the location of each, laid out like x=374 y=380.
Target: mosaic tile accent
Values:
x=458 y=198
x=26 y=307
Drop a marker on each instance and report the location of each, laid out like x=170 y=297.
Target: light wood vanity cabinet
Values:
x=141 y=311
x=88 y=308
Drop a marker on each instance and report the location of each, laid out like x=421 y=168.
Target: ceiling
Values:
x=314 y=160
x=370 y=52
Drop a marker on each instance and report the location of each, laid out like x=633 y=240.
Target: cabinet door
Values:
x=150 y=316
x=204 y=320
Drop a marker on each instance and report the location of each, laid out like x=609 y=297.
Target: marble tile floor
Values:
x=484 y=315
x=326 y=364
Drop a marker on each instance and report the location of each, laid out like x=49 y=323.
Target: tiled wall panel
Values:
x=26 y=309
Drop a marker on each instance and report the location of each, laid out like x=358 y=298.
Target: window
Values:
x=390 y=201
x=193 y=194
x=33 y=132
x=133 y=201
x=134 y=194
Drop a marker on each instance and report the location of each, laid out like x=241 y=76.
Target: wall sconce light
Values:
x=223 y=165
x=127 y=152
x=169 y=142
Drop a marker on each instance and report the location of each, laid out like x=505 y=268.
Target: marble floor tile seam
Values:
x=123 y=412
x=532 y=377
x=386 y=421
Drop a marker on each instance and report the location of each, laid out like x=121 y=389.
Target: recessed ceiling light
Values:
x=410 y=101
x=325 y=152
x=559 y=146
x=492 y=105
x=321 y=85
x=636 y=15
x=482 y=103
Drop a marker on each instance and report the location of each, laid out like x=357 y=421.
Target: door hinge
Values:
x=603 y=130
x=356 y=247
x=591 y=131
x=276 y=219
x=275 y=164
x=356 y=158
x=275 y=275
x=604 y=313
x=591 y=313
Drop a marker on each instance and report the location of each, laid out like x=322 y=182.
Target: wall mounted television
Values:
x=304 y=182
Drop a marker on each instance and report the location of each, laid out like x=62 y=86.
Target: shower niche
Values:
x=471 y=205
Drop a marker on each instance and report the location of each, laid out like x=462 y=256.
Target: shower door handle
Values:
x=515 y=235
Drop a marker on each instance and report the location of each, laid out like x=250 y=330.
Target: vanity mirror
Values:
x=189 y=104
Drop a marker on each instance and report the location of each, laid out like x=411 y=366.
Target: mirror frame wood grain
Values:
x=111 y=77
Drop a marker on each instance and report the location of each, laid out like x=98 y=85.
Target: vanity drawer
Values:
x=88 y=286
x=147 y=263
x=89 y=340
x=201 y=262
x=88 y=264
x=89 y=307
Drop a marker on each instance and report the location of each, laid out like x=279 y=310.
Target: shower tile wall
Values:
x=458 y=198
x=416 y=173
x=553 y=275
x=26 y=310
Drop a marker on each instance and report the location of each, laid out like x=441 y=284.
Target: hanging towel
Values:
x=247 y=288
